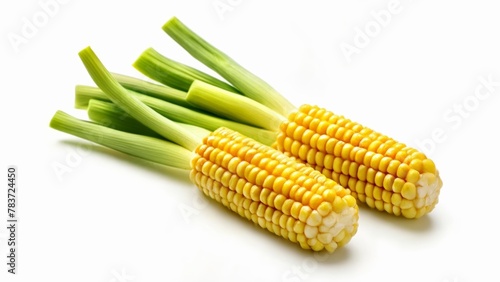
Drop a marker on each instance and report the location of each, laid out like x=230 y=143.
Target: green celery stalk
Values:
x=234 y=107
x=83 y=94
x=110 y=115
x=245 y=81
x=133 y=106
x=172 y=73
x=154 y=90
x=145 y=147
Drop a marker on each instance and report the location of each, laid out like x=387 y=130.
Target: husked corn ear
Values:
x=274 y=191
x=381 y=172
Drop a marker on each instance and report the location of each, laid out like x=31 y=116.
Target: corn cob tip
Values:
x=426 y=196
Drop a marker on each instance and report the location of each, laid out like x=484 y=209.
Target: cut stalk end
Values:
x=145 y=147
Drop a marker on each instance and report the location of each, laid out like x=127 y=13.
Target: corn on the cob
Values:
x=274 y=191
x=381 y=172
x=258 y=182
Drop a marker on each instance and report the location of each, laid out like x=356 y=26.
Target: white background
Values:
x=115 y=218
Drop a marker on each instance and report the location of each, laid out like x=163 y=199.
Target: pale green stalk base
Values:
x=110 y=115
x=133 y=106
x=154 y=90
x=234 y=107
x=84 y=93
x=245 y=81
x=144 y=147
x=179 y=114
x=172 y=73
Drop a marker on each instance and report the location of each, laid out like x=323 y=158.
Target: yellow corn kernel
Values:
x=401 y=156
x=369 y=190
x=360 y=187
x=396 y=199
x=413 y=176
x=347 y=136
x=365 y=142
x=303 y=150
x=290 y=128
x=321 y=142
x=350 y=201
x=428 y=166
x=322 y=127
x=315 y=201
x=391 y=153
x=353 y=169
x=421 y=212
x=264 y=194
x=337 y=151
x=384 y=164
x=324 y=208
x=370 y=175
x=396 y=210
x=306 y=198
x=356 y=138
x=328 y=161
x=386 y=196
x=417 y=165
x=370 y=202
x=298 y=132
x=406 y=204
x=306 y=136
x=339 y=204
x=379 y=205
x=398 y=185
x=409 y=191
x=403 y=171
x=339 y=132
x=374 y=146
x=393 y=167
x=345 y=167
x=362 y=172
x=279 y=200
x=409 y=213
x=368 y=158
x=418 y=155
x=332 y=129
x=319 y=158
x=388 y=208
x=388 y=182
x=379 y=178
x=343 y=180
x=337 y=165
x=346 y=151
x=360 y=155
